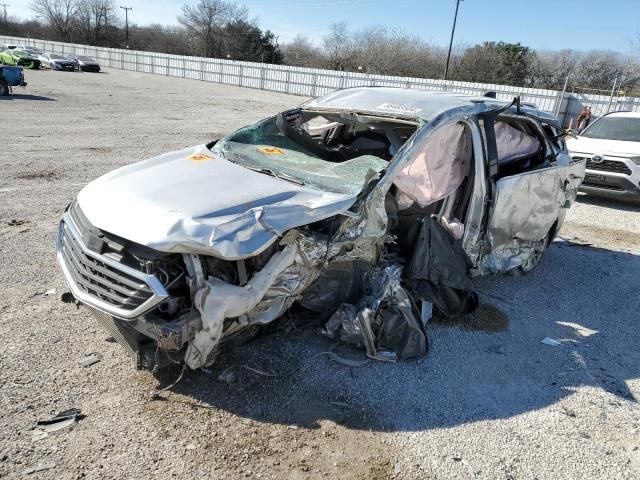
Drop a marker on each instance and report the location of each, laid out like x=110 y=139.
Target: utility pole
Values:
x=453 y=30
x=126 y=21
x=5 y=5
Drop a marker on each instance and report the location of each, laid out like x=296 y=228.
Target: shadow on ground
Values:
x=584 y=296
x=627 y=205
x=20 y=96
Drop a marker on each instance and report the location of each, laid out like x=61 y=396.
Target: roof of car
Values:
x=422 y=104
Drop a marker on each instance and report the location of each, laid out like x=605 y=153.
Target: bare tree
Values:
x=94 y=19
x=394 y=52
x=205 y=19
x=599 y=70
x=552 y=68
x=338 y=46
x=59 y=14
x=301 y=52
x=159 y=38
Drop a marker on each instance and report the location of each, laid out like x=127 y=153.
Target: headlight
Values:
x=636 y=160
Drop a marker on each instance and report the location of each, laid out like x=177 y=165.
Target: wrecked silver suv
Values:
x=363 y=205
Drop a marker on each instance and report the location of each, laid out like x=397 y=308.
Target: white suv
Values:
x=611 y=146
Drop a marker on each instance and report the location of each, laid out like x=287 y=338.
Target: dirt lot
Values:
x=490 y=400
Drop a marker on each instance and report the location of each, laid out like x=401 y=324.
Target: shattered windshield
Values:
x=328 y=154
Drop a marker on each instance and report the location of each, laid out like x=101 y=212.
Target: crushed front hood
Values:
x=193 y=201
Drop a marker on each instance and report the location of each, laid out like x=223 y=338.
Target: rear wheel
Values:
x=532 y=262
x=4 y=88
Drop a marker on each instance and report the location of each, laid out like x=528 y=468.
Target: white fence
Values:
x=315 y=82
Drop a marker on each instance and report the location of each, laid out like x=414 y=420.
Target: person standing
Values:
x=584 y=119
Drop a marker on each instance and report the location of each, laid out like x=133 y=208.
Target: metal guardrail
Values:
x=312 y=82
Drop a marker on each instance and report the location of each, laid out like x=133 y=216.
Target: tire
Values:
x=532 y=262
x=4 y=88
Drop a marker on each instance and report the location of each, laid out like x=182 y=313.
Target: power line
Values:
x=126 y=21
x=5 y=5
x=453 y=30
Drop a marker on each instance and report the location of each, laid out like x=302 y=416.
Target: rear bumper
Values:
x=90 y=68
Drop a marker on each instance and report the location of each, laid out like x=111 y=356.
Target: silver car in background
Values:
x=611 y=147
x=55 y=61
x=359 y=205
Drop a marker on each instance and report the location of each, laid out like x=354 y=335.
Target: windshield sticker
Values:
x=399 y=108
x=199 y=157
x=271 y=150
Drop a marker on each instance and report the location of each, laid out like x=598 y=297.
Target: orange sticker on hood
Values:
x=199 y=157
x=271 y=150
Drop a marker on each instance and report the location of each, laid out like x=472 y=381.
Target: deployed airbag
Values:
x=438 y=167
x=513 y=143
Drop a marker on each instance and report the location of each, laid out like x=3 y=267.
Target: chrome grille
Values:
x=609 y=166
x=99 y=279
x=102 y=282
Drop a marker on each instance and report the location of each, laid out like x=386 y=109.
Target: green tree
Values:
x=497 y=62
x=246 y=41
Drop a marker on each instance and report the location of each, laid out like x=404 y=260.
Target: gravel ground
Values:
x=490 y=401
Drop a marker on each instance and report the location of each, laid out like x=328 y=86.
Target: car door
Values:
x=526 y=206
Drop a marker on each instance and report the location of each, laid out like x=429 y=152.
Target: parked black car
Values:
x=86 y=64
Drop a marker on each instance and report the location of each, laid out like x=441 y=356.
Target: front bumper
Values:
x=101 y=282
x=63 y=67
x=611 y=185
x=616 y=178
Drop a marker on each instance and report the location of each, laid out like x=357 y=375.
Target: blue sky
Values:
x=542 y=24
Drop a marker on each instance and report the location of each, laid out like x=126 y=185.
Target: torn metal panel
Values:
x=220 y=300
x=510 y=255
x=272 y=290
x=526 y=208
x=316 y=254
